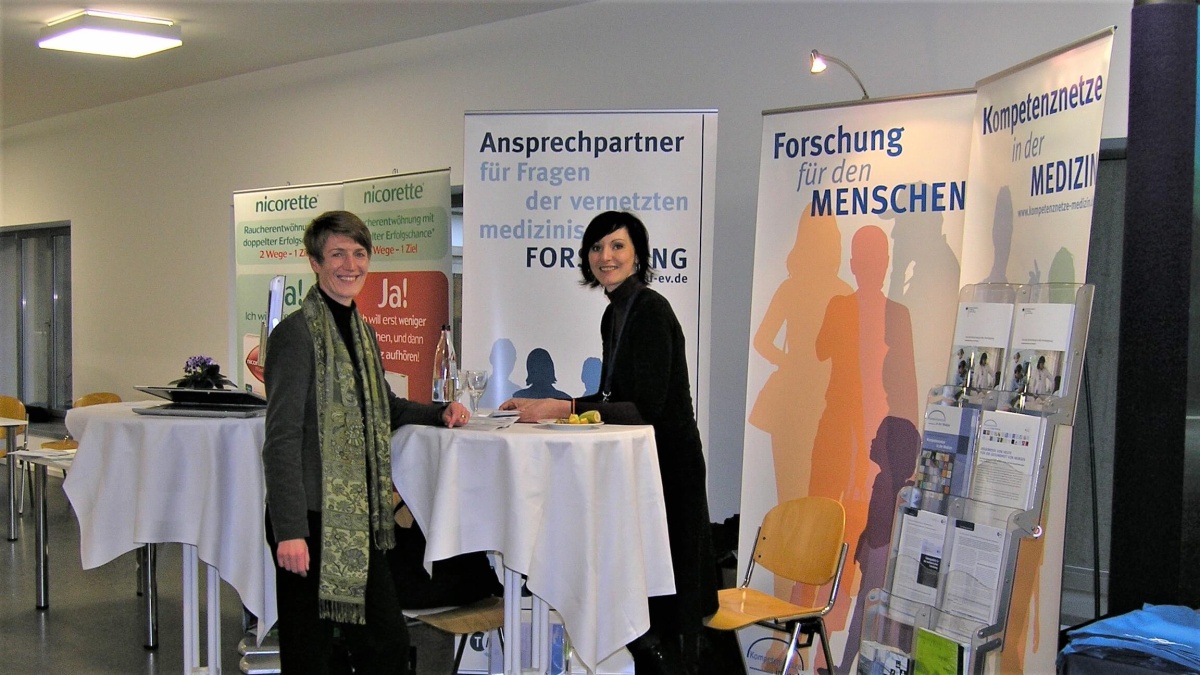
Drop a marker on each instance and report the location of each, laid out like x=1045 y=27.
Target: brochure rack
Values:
x=980 y=482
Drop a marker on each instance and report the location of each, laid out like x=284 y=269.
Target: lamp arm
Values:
x=849 y=70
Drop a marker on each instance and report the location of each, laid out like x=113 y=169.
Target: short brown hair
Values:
x=330 y=223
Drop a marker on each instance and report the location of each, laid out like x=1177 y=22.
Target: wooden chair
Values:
x=14 y=409
x=95 y=398
x=482 y=616
x=800 y=540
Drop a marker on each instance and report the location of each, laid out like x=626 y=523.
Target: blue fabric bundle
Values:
x=1168 y=632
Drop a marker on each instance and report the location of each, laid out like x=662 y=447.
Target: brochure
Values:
x=981 y=335
x=919 y=558
x=936 y=654
x=947 y=450
x=973 y=577
x=877 y=659
x=1006 y=457
x=1041 y=338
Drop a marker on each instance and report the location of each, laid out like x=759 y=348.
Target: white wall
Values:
x=147 y=184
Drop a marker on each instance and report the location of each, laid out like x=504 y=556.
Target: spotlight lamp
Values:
x=819 y=62
x=110 y=34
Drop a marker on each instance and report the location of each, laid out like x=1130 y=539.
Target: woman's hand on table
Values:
x=534 y=409
x=456 y=415
x=293 y=556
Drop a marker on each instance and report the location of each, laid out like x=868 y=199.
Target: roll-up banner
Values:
x=533 y=182
x=269 y=228
x=406 y=297
x=837 y=416
x=856 y=268
x=1035 y=144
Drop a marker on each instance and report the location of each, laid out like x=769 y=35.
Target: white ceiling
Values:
x=221 y=38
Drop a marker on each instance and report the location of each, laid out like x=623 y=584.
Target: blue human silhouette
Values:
x=539 y=375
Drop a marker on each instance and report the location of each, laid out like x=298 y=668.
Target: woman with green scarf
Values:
x=327 y=462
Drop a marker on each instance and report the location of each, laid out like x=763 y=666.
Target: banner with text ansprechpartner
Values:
x=533 y=182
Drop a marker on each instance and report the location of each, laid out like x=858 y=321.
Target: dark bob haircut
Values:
x=605 y=224
x=330 y=223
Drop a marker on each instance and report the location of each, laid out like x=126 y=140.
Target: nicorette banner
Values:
x=406 y=297
x=533 y=182
x=269 y=240
x=856 y=268
x=407 y=294
x=1035 y=144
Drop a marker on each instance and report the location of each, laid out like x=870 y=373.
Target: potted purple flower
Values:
x=201 y=372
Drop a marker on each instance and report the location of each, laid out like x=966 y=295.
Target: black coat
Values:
x=650 y=385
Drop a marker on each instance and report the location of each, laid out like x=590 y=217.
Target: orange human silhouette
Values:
x=867 y=339
x=787 y=338
x=1024 y=608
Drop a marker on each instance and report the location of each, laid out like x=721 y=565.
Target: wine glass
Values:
x=475 y=381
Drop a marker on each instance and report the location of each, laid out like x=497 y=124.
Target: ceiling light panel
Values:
x=110 y=34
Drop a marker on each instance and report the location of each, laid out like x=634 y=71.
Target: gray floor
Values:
x=95 y=622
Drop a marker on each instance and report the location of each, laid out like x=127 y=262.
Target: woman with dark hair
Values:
x=1041 y=380
x=644 y=380
x=327 y=464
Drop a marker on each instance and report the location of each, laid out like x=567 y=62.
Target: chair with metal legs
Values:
x=482 y=616
x=67 y=443
x=800 y=540
x=12 y=408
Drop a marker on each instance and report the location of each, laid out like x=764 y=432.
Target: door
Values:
x=35 y=338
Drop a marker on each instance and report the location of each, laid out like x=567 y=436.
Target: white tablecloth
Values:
x=579 y=512
x=142 y=479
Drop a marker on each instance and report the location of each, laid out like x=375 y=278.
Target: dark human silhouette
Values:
x=539 y=375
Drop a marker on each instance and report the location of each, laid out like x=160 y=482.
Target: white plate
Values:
x=560 y=426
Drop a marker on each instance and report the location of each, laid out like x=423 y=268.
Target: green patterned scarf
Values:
x=354 y=450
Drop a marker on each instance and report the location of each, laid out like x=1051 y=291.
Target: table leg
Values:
x=191 y=610
x=40 y=546
x=512 y=622
x=212 y=610
x=10 y=445
x=539 y=651
x=148 y=578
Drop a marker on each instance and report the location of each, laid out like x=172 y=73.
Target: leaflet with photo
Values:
x=981 y=334
x=1041 y=338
